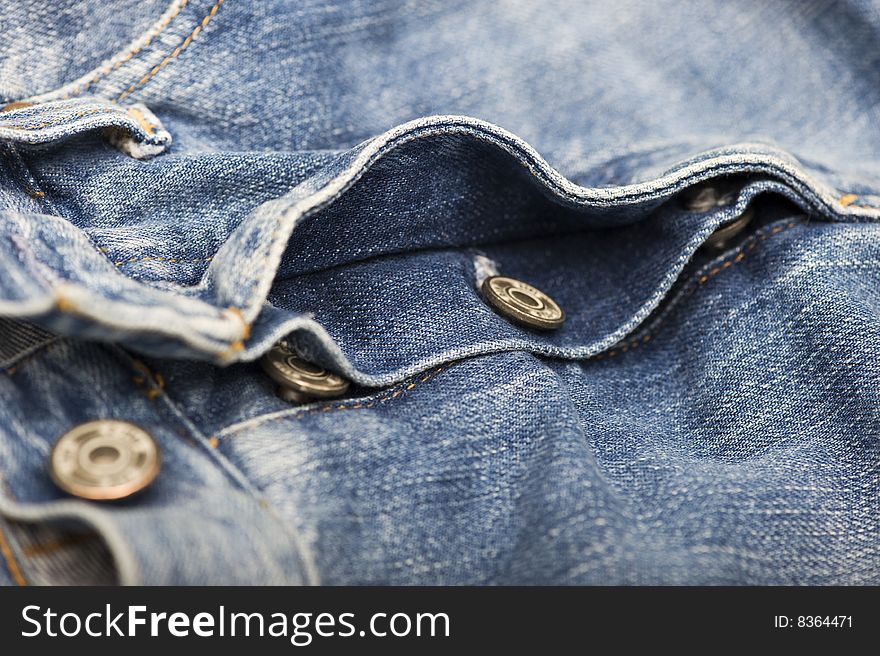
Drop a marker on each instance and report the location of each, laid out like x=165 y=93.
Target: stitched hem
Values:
x=127 y=568
x=117 y=61
x=133 y=129
x=11 y=560
x=699 y=278
x=325 y=407
x=157 y=385
x=193 y=320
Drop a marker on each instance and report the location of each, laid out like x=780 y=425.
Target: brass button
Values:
x=522 y=303
x=298 y=379
x=719 y=239
x=104 y=460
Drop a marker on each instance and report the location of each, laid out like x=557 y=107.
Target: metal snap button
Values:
x=104 y=460
x=719 y=239
x=298 y=379
x=522 y=303
x=705 y=197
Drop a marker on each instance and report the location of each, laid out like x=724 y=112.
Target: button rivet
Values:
x=104 y=460
x=705 y=197
x=298 y=379
x=720 y=239
x=522 y=303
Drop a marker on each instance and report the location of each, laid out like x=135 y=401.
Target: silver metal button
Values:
x=104 y=460
x=705 y=197
x=719 y=239
x=522 y=303
x=298 y=379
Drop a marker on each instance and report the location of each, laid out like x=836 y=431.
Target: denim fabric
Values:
x=183 y=184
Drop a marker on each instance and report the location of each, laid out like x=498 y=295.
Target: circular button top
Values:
x=523 y=303
x=302 y=378
x=719 y=239
x=104 y=460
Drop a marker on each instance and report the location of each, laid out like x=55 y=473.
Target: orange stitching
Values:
x=154 y=378
x=109 y=69
x=64 y=304
x=158 y=67
x=16 y=104
x=148 y=127
x=702 y=280
x=848 y=199
x=246 y=327
x=52 y=546
x=11 y=562
x=236 y=346
x=356 y=406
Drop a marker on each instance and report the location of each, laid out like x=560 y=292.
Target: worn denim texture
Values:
x=193 y=181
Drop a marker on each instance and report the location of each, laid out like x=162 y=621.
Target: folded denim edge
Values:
x=212 y=320
x=127 y=568
x=134 y=129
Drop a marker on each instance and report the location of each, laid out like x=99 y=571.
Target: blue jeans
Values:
x=185 y=184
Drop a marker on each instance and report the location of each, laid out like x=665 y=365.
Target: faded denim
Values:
x=186 y=183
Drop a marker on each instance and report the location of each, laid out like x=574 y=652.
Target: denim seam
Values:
x=26 y=178
x=33 y=188
x=116 y=61
x=170 y=260
x=581 y=352
x=58 y=124
x=354 y=404
x=57 y=297
x=306 y=558
x=156 y=31
x=208 y=340
x=346 y=180
x=697 y=280
x=42 y=549
x=126 y=115
x=12 y=563
x=850 y=199
x=127 y=567
x=26 y=356
x=537 y=166
x=180 y=48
